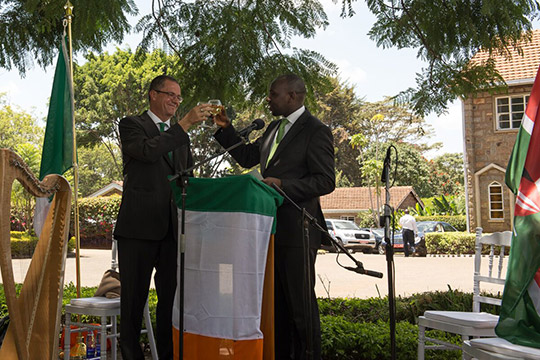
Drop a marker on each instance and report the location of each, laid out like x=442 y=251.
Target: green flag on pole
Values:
x=57 y=153
x=519 y=320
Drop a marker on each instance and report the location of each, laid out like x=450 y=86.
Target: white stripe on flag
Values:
x=225 y=260
x=527 y=124
x=526 y=203
x=534 y=294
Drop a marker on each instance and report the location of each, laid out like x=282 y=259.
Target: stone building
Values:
x=490 y=125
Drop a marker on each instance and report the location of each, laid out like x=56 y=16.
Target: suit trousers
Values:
x=408 y=241
x=137 y=259
x=291 y=310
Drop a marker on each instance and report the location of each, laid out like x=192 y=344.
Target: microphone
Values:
x=257 y=124
x=360 y=269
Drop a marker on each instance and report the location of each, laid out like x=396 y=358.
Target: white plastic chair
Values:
x=475 y=323
x=497 y=348
x=107 y=310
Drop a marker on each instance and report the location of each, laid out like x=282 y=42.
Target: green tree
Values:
x=447 y=34
x=22 y=201
x=32 y=29
x=338 y=107
x=96 y=168
x=17 y=127
x=231 y=50
x=449 y=174
x=110 y=87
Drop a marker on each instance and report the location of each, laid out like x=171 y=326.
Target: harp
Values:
x=34 y=313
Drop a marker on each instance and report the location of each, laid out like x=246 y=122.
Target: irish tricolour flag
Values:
x=229 y=222
x=519 y=320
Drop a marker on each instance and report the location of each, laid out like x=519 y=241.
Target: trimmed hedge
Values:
x=23 y=244
x=455 y=243
x=96 y=221
x=450 y=243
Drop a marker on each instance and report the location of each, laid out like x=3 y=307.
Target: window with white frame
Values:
x=510 y=111
x=350 y=218
x=496 y=201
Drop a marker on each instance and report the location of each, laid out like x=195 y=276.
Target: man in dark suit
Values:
x=297 y=155
x=147 y=225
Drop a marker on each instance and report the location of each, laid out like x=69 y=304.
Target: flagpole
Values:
x=69 y=15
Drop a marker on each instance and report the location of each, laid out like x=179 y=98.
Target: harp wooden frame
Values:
x=35 y=313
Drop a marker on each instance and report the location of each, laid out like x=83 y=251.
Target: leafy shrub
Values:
x=96 y=220
x=365 y=219
x=450 y=243
x=457 y=221
x=351 y=328
x=346 y=340
x=23 y=244
x=454 y=243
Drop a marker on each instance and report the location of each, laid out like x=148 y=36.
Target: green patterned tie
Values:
x=162 y=129
x=279 y=136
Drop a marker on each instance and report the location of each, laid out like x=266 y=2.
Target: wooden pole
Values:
x=69 y=15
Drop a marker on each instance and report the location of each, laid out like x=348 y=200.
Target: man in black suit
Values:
x=297 y=155
x=147 y=225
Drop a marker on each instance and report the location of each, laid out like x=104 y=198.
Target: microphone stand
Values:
x=308 y=219
x=389 y=254
x=182 y=181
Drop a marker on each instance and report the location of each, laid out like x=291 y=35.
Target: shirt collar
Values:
x=296 y=114
x=158 y=121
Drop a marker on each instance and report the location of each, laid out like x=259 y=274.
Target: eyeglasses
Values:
x=171 y=95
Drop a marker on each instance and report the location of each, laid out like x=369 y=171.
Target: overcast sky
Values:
x=374 y=72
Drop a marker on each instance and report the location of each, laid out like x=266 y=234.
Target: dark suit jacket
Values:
x=147 y=202
x=304 y=161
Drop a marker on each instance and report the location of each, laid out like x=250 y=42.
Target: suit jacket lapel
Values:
x=290 y=135
x=151 y=130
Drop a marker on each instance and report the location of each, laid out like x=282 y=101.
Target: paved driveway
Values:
x=413 y=275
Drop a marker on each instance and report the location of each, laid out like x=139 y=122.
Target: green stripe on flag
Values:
x=519 y=322
x=229 y=194
x=514 y=170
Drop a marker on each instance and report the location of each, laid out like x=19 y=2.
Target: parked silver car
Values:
x=350 y=235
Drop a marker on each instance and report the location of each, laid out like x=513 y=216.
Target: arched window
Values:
x=495 y=201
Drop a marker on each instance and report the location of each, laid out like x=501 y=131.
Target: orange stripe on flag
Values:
x=198 y=347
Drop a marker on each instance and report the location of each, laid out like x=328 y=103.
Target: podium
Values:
x=229 y=272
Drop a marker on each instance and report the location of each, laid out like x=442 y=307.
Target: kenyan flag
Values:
x=519 y=320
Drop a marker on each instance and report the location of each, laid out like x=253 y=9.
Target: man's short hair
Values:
x=406 y=211
x=295 y=82
x=158 y=81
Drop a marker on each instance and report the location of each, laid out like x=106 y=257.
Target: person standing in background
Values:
x=409 y=231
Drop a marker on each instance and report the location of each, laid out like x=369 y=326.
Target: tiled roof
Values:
x=517 y=67
x=357 y=198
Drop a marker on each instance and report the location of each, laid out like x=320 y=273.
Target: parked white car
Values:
x=350 y=235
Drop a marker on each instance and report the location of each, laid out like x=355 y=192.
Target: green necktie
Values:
x=279 y=136
x=162 y=129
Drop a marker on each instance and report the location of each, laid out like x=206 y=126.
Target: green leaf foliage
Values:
x=24 y=243
x=32 y=29
x=447 y=34
x=96 y=220
x=232 y=50
x=450 y=243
